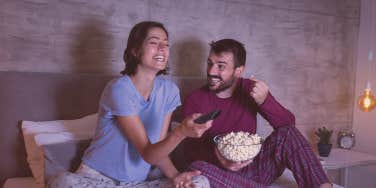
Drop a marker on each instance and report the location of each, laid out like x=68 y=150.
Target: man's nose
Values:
x=212 y=70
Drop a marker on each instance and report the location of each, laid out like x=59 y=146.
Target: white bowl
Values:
x=237 y=152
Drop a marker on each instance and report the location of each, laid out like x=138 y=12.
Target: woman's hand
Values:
x=190 y=129
x=184 y=179
x=231 y=165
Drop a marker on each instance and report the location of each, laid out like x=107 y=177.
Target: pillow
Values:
x=63 y=157
x=36 y=134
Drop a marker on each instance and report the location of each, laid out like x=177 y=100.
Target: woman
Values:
x=134 y=114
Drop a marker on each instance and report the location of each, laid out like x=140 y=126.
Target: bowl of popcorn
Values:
x=238 y=146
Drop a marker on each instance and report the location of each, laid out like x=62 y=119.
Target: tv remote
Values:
x=206 y=117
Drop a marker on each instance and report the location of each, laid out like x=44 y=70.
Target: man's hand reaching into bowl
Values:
x=231 y=165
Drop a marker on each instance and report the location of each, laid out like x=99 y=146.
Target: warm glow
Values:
x=367 y=102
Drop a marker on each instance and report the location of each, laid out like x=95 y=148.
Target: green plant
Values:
x=324 y=134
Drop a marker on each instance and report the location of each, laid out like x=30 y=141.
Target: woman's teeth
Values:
x=159 y=58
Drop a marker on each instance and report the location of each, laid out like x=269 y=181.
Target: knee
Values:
x=289 y=131
x=293 y=136
x=288 y=134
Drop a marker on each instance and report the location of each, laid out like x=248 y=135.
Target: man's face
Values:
x=221 y=71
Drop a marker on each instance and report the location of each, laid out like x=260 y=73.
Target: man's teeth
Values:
x=215 y=79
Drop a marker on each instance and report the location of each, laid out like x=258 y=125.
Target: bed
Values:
x=48 y=97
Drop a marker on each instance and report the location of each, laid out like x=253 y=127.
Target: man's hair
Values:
x=230 y=45
x=136 y=38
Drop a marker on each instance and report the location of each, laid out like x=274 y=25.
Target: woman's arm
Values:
x=134 y=130
x=165 y=164
x=168 y=168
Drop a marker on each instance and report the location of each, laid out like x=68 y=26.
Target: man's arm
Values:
x=275 y=113
x=269 y=107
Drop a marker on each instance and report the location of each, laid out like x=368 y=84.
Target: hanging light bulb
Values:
x=367 y=101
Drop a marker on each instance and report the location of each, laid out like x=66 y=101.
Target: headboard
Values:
x=40 y=97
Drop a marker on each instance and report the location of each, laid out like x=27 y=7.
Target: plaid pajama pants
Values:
x=286 y=147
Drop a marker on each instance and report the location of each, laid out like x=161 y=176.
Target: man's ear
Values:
x=239 y=71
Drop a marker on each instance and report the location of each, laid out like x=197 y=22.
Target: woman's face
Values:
x=155 y=50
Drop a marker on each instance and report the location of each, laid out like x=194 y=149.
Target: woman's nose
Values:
x=162 y=47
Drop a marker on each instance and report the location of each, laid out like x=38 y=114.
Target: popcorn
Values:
x=239 y=146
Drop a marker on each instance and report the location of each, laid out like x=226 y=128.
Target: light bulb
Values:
x=367 y=101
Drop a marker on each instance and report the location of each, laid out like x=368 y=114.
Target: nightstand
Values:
x=343 y=159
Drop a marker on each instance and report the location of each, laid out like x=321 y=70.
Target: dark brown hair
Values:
x=230 y=45
x=136 y=38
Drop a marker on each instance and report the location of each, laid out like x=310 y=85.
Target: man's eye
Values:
x=221 y=67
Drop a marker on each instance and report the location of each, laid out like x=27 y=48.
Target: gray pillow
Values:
x=63 y=157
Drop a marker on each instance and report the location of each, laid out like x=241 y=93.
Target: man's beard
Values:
x=222 y=86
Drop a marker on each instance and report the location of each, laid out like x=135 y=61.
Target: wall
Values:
x=304 y=49
x=364 y=122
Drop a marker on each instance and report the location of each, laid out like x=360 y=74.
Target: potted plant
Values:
x=324 y=146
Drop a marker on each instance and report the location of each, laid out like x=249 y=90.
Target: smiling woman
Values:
x=133 y=118
x=142 y=36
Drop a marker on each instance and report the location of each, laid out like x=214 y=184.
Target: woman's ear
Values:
x=134 y=52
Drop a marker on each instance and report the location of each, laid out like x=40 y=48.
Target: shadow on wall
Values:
x=188 y=66
x=91 y=54
x=92 y=50
x=189 y=57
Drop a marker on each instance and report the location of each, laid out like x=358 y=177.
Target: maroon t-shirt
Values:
x=238 y=113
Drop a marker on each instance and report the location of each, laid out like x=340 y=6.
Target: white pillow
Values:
x=39 y=133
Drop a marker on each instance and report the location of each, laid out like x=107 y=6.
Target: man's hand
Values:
x=190 y=129
x=259 y=91
x=231 y=165
x=184 y=179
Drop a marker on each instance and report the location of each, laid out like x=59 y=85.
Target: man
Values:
x=240 y=100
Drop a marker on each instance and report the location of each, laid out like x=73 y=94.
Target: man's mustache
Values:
x=214 y=76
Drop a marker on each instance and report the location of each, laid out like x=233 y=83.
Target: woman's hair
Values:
x=135 y=40
x=233 y=46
